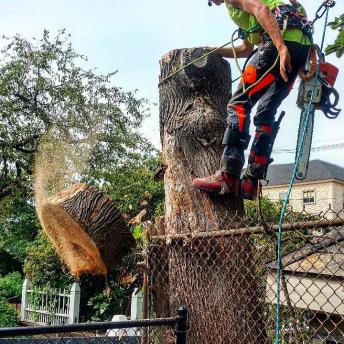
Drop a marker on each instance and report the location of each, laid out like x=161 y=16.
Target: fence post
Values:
x=181 y=325
x=74 y=304
x=24 y=299
x=136 y=305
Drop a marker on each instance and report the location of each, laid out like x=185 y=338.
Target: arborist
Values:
x=284 y=38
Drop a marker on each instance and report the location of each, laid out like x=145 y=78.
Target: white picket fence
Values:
x=55 y=307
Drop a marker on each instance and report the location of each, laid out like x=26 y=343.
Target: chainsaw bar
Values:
x=305 y=150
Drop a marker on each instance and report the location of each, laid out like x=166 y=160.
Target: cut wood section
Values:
x=86 y=228
x=213 y=277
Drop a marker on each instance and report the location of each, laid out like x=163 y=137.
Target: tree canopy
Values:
x=45 y=92
x=43 y=89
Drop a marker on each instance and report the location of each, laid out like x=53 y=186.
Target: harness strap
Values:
x=295 y=21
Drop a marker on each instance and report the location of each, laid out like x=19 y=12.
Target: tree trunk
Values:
x=213 y=277
x=86 y=228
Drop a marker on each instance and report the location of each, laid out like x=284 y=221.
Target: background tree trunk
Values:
x=87 y=229
x=214 y=278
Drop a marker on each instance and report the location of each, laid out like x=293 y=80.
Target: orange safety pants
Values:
x=269 y=92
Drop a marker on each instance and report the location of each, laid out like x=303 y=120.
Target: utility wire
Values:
x=301 y=199
x=314 y=149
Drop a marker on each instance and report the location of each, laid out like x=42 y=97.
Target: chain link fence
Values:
x=227 y=279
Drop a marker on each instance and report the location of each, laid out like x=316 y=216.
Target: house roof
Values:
x=321 y=256
x=318 y=170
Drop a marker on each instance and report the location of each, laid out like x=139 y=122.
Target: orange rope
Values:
x=313 y=62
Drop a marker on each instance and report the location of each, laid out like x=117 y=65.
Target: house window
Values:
x=309 y=197
x=282 y=196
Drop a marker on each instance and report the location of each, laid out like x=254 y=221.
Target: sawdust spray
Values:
x=60 y=163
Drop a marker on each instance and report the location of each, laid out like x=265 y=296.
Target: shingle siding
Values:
x=318 y=170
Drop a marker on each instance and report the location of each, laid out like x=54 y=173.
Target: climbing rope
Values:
x=323 y=9
x=245 y=90
x=242 y=34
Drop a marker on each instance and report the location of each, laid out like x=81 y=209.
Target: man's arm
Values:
x=243 y=50
x=267 y=20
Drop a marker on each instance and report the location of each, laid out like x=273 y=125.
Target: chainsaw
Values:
x=316 y=92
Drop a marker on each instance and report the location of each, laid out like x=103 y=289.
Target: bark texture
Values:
x=213 y=277
x=87 y=229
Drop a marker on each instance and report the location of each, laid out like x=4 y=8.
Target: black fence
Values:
x=151 y=331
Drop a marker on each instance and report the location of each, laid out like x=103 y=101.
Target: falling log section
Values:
x=213 y=277
x=86 y=228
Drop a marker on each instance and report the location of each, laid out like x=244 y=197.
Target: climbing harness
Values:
x=296 y=20
x=245 y=90
x=305 y=134
x=286 y=17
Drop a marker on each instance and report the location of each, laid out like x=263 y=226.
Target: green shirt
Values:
x=245 y=20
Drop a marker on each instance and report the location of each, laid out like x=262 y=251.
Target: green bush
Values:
x=133 y=187
x=18 y=228
x=7 y=262
x=102 y=307
x=10 y=285
x=8 y=315
x=43 y=267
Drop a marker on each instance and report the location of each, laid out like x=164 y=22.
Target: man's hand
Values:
x=267 y=20
x=285 y=62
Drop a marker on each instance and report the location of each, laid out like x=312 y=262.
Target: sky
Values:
x=131 y=37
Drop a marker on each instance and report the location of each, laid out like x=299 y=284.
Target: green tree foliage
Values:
x=102 y=307
x=18 y=228
x=8 y=263
x=269 y=215
x=133 y=187
x=8 y=315
x=43 y=88
x=338 y=45
x=10 y=285
x=269 y=212
x=43 y=266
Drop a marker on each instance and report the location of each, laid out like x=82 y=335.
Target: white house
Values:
x=321 y=192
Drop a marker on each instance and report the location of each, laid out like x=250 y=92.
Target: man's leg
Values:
x=270 y=100
x=236 y=138
x=261 y=149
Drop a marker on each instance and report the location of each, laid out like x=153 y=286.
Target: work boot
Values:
x=220 y=183
x=249 y=188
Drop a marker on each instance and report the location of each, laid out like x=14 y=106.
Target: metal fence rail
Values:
x=162 y=330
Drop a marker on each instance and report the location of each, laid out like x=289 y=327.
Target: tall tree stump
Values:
x=86 y=228
x=214 y=278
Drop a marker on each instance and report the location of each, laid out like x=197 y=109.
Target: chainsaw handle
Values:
x=328 y=108
x=332 y=113
x=336 y=97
